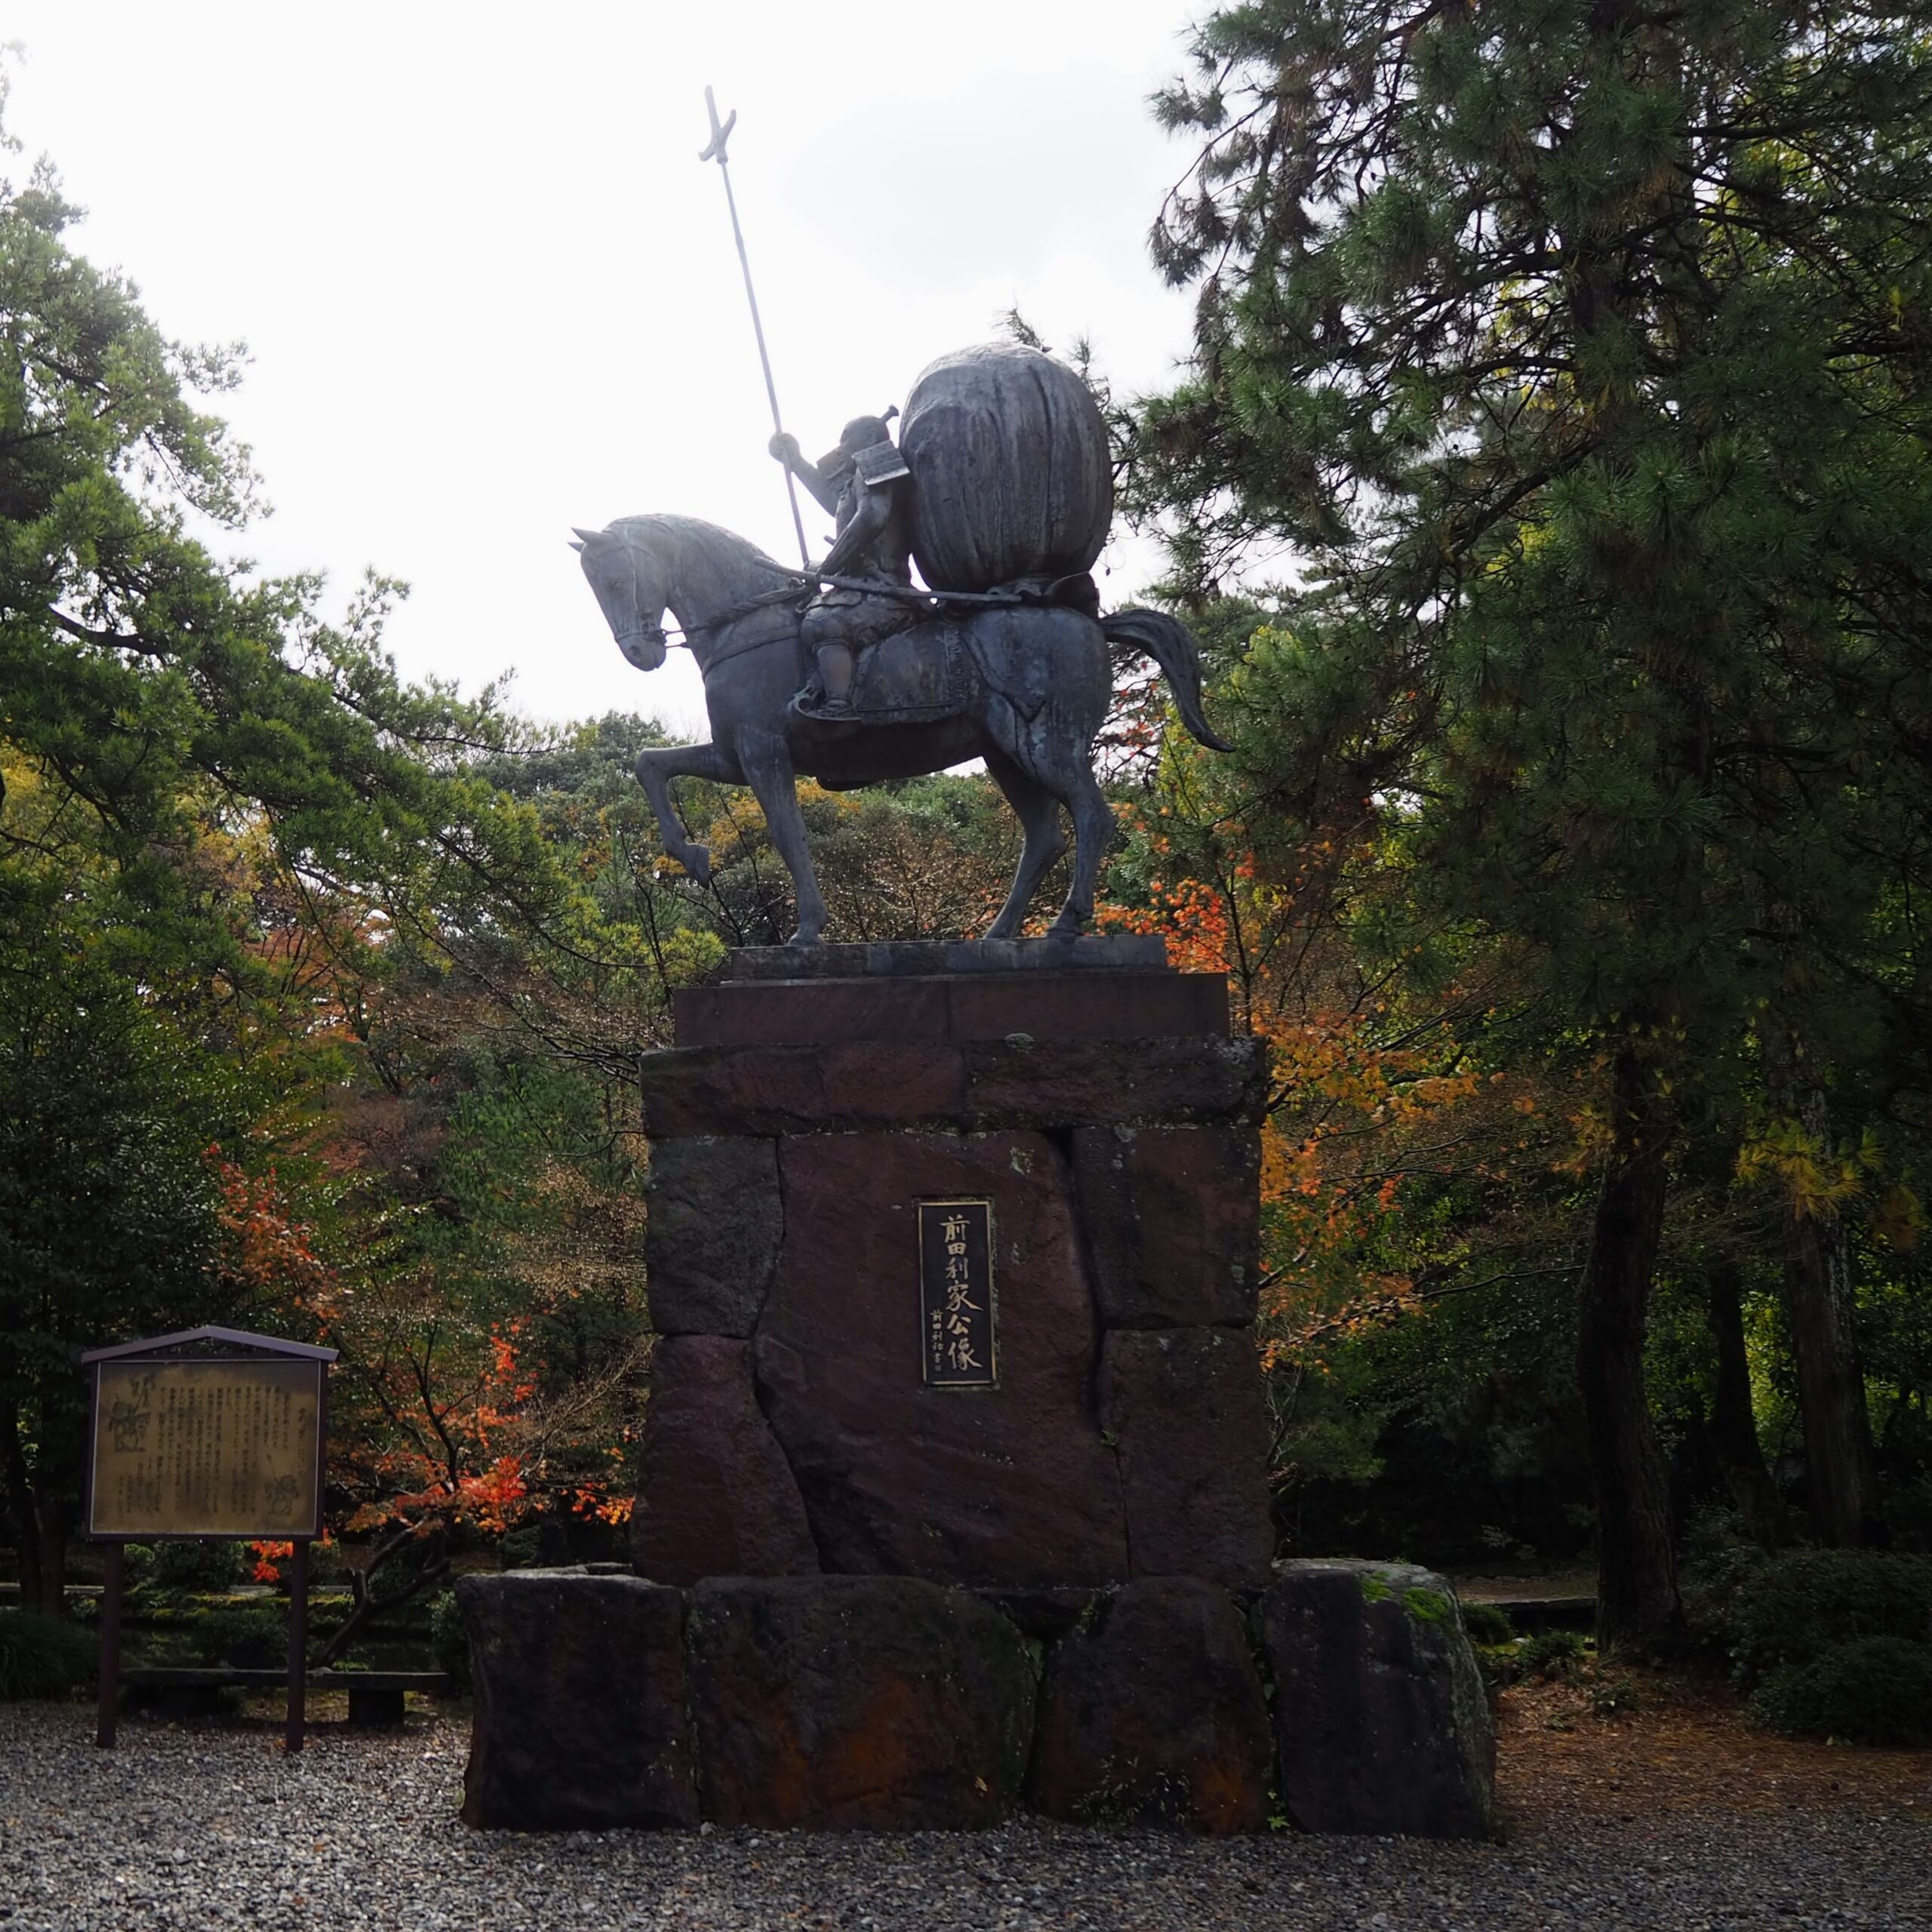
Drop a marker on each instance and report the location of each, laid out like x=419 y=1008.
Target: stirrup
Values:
x=824 y=710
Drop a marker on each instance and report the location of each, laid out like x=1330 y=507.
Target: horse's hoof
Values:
x=697 y=863
x=803 y=937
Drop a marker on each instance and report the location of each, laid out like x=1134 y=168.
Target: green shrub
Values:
x=522 y=1549
x=1553 y=1654
x=1867 y=1691
x=1908 y=1507
x=1487 y=1623
x=1792 y=1609
x=199 y=1566
x=1499 y=1665
x=1617 y=1698
x=1717 y=1582
x=250 y=1636
x=450 y=1639
x=41 y=1656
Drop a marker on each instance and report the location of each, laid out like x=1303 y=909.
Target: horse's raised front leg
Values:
x=767 y=761
x=1037 y=811
x=656 y=768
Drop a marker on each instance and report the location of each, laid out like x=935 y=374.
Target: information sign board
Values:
x=208 y=1434
x=206 y=1446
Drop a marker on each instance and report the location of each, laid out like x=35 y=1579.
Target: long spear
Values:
x=720 y=133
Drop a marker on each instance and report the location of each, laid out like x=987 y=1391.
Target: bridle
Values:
x=796 y=590
x=634 y=632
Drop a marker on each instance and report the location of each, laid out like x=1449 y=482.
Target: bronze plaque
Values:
x=956 y=1294
x=206 y=1447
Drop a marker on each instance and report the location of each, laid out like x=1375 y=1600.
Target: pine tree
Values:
x=1580 y=348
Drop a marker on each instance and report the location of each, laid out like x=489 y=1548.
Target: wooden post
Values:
x=114 y=1574
x=298 y=1644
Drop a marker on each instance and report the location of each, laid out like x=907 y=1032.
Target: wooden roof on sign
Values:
x=234 y=1338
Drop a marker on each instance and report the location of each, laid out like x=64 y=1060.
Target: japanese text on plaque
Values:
x=206 y=1448
x=956 y=1293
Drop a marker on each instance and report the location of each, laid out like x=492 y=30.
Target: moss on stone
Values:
x=1426 y=1606
x=1374 y=1589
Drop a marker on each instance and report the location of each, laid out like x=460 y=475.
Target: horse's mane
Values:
x=734 y=563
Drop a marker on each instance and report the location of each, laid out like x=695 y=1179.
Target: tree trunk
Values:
x=1831 y=1376
x=1733 y=1425
x=1636 y=1568
x=24 y=1507
x=1823 y=1314
x=53 y=1527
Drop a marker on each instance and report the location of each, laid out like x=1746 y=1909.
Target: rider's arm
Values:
x=869 y=517
x=824 y=493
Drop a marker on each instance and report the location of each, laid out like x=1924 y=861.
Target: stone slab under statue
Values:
x=1124 y=1432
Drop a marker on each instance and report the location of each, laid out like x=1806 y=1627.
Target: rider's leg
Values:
x=834 y=672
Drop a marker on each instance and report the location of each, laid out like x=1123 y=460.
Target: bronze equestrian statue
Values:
x=1001 y=487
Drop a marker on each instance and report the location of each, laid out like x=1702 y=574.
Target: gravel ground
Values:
x=213 y=1827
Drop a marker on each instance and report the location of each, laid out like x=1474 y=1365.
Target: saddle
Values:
x=925 y=673
x=916 y=676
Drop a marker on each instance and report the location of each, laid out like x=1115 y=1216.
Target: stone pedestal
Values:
x=892 y=1579
x=1094 y=1100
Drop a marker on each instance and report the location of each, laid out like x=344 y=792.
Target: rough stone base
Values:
x=888 y=1703
x=580 y=1722
x=1381 y=1721
x=880 y=1702
x=1152 y=1713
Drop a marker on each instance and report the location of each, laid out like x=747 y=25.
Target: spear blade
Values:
x=720 y=133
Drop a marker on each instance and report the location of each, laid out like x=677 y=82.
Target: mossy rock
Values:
x=1380 y=1713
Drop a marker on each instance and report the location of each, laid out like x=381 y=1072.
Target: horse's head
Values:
x=630 y=580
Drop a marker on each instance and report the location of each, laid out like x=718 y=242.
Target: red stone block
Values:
x=879 y=1703
x=1152 y=1713
x=715 y=1495
x=955 y=1009
x=798 y=1090
x=1085 y=1083
x=1185 y=1405
x=1173 y=1220
x=711 y=1239
x=1091 y=1006
x=1012 y=1485
x=812 y=1012
x=580 y=1718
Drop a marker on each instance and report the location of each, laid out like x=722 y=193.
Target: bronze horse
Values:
x=1025 y=687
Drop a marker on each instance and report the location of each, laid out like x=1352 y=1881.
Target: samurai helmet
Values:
x=866 y=432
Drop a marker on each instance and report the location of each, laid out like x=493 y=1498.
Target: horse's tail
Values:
x=1171 y=645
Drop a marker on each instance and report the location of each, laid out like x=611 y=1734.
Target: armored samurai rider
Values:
x=864 y=483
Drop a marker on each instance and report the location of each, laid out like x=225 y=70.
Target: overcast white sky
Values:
x=489 y=292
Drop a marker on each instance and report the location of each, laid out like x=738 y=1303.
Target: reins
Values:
x=932 y=600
